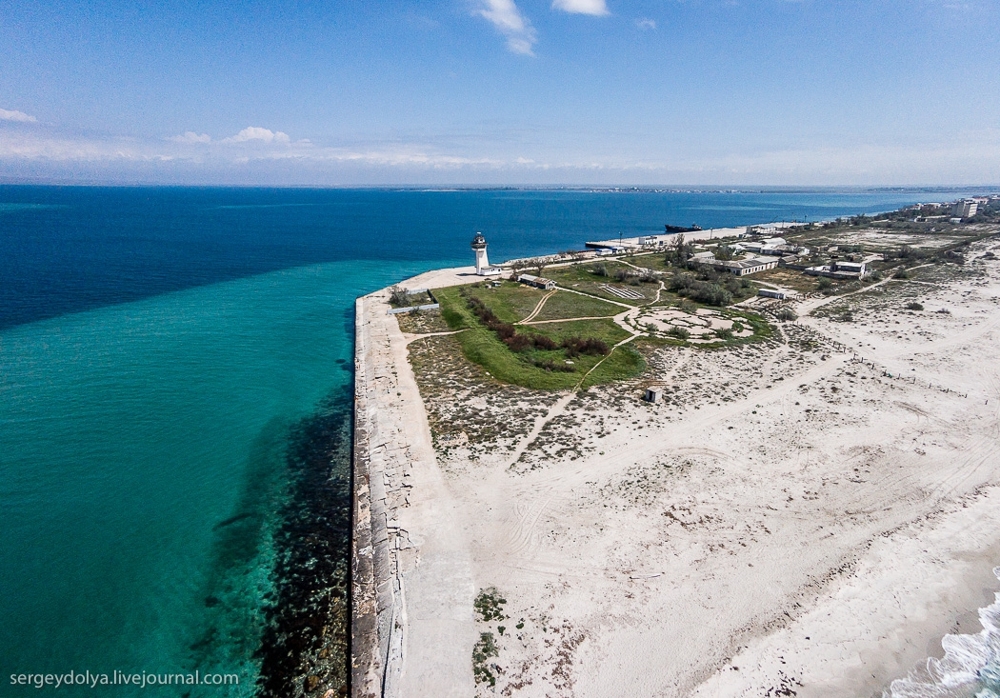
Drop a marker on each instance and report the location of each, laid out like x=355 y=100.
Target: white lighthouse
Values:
x=483 y=267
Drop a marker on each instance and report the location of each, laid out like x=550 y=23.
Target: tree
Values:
x=724 y=253
x=680 y=252
x=398 y=297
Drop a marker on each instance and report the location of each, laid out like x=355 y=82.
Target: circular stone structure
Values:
x=702 y=324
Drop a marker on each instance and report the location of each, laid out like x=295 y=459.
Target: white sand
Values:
x=783 y=494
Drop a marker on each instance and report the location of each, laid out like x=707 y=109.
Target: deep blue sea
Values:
x=167 y=355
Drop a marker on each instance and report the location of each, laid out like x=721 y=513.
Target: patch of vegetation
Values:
x=532 y=365
x=786 y=315
x=398 y=297
x=707 y=285
x=762 y=329
x=484 y=650
x=510 y=301
x=521 y=342
x=679 y=333
x=686 y=306
x=577 y=346
x=421 y=322
x=621 y=364
x=914 y=306
x=451 y=387
x=489 y=605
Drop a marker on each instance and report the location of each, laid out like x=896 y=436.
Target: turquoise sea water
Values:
x=159 y=351
x=130 y=433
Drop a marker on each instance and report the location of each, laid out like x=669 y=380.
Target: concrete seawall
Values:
x=374 y=576
x=412 y=627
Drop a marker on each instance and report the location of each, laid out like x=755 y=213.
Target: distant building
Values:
x=537 y=281
x=965 y=209
x=859 y=268
x=840 y=270
x=773 y=293
x=740 y=267
x=784 y=250
x=653 y=395
x=761 y=245
x=483 y=267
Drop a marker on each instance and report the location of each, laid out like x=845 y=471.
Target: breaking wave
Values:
x=970 y=667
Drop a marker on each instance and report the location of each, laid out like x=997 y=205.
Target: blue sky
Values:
x=674 y=92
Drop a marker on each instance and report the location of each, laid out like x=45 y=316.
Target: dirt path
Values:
x=594 y=367
x=557 y=409
x=538 y=308
x=569 y=319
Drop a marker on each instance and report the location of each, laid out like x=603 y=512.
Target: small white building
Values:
x=773 y=293
x=653 y=395
x=859 y=268
x=840 y=270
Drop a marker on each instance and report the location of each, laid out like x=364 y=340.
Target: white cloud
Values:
x=966 y=157
x=20 y=116
x=191 y=137
x=256 y=133
x=581 y=7
x=508 y=20
x=645 y=23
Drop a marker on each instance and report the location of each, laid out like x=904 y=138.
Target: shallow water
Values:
x=970 y=666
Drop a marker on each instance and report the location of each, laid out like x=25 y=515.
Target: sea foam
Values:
x=970 y=666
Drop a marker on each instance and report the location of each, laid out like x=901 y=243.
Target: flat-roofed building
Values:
x=840 y=270
x=778 y=293
x=653 y=395
x=859 y=268
x=965 y=209
x=537 y=281
x=741 y=267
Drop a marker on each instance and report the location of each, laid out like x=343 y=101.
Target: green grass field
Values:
x=481 y=345
x=551 y=369
x=510 y=301
x=565 y=304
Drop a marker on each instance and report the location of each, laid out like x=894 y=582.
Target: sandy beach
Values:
x=805 y=516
